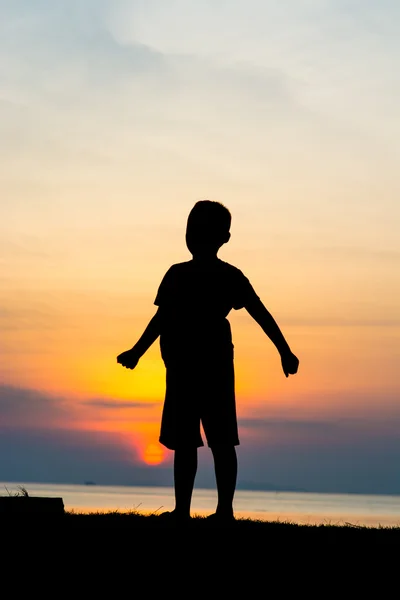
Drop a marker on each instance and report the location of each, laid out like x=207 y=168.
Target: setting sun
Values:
x=153 y=454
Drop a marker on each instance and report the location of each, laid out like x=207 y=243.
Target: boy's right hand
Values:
x=128 y=359
x=290 y=363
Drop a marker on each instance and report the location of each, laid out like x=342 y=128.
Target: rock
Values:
x=31 y=505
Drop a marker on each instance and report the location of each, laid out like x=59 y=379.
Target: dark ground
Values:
x=109 y=554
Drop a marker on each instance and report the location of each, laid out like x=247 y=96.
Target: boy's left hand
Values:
x=290 y=364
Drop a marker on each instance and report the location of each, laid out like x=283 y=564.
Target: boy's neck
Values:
x=205 y=257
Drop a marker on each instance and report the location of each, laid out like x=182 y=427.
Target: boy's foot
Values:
x=174 y=518
x=221 y=519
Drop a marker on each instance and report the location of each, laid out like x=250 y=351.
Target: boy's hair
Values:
x=214 y=216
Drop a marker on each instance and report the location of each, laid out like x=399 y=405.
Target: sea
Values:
x=292 y=507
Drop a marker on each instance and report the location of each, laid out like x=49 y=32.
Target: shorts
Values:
x=199 y=392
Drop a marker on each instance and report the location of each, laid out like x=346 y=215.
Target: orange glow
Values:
x=73 y=357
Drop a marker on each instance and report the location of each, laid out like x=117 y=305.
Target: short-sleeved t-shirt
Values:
x=195 y=298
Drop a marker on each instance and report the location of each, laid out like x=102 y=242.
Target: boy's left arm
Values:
x=263 y=317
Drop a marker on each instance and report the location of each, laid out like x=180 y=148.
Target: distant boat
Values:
x=90 y=483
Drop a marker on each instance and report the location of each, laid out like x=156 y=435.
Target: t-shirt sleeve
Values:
x=243 y=291
x=165 y=290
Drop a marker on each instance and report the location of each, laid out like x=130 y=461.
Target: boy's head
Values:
x=207 y=227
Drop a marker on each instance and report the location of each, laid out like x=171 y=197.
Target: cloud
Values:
x=75 y=76
x=68 y=456
x=29 y=408
x=44 y=438
x=333 y=456
x=286 y=425
x=229 y=30
x=343 y=429
x=115 y=404
x=320 y=48
x=244 y=82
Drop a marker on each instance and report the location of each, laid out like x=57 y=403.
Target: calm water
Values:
x=268 y=506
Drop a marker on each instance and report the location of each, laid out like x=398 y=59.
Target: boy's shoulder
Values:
x=231 y=268
x=220 y=266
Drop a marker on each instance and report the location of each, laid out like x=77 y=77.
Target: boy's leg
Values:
x=185 y=468
x=225 y=464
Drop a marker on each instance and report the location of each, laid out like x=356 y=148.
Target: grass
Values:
x=21 y=493
x=132 y=520
x=126 y=523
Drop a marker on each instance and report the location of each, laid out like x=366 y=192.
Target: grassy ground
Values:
x=140 y=552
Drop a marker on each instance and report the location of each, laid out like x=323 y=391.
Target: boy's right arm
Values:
x=130 y=358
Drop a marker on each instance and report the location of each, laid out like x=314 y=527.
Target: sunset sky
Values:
x=116 y=116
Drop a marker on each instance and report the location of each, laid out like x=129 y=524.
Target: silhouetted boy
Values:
x=194 y=299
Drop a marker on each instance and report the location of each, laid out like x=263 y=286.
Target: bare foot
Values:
x=221 y=519
x=174 y=517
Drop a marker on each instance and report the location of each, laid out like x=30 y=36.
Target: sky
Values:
x=116 y=116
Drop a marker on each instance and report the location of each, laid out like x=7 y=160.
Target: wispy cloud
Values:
x=21 y=407
x=320 y=46
x=342 y=429
x=115 y=404
x=339 y=455
x=70 y=456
